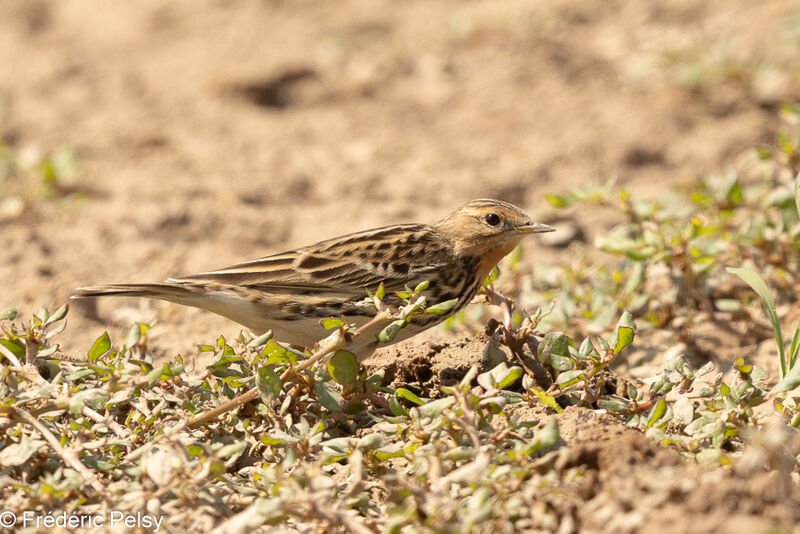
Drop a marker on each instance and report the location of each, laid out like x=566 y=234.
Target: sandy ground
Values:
x=212 y=132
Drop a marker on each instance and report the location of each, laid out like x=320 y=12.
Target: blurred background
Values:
x=147 y=139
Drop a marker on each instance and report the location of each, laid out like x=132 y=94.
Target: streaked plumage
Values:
x=290 y=292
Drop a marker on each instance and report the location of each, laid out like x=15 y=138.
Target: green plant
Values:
x=27 y=177
x=682 y=245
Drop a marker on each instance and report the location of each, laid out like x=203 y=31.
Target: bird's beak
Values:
x=533 y=227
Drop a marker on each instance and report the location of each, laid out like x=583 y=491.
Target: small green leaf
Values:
x=387 y=334
x=397 y=408
x=469 y=377
x=260 y=340
x=586 y=349
x=661 y=387
x=547 y=400
x=422 y=286
x=381 y=292
x=794 y=348
x=554 y=343
x=268 y=383
x=640 y=254
x=47 y=352
x=273 y=438
x=743 y=368
x=195 y=450
x=790 y=381
x=391 y=451
x=515 y=257
x=657 y=412
x=442 y=307
x=501 y=376
x=707 y=368
x=14 y=346
x=331 y=323
x=230 y=449
x=18 y=453
x=558 y=201
x=561 y=363
x=623 y=334
x=758 y=373
x=328 y=397
x=8 y=314
x=370 y=442
x=135 y=334
x=101 y=346
x=514 y=373
x=763 y=153
x=341 y=445
x=614 y=244
x=495 y=404
x=343 y=367
x=403 y=393
x=547 y=436
x=754 y=280
x=156 y=374
x=436 y=407
x=277 y=354
x=493 y=274
x=733 y=192
x=57 y=315
x=77 y=375
x=786 y=144
x=614 y=405
x=569 y=378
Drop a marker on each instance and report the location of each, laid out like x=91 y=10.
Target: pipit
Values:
x=290 y=292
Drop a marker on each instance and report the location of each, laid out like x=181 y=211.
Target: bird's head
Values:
x=488 y=228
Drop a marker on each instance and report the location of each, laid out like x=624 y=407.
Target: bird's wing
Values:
x=397 y=256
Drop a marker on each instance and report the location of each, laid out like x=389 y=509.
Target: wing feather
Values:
x=397 y=256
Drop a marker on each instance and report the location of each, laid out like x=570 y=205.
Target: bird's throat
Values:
x=491 y=258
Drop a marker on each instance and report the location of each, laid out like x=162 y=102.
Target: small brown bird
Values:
x=290 y=292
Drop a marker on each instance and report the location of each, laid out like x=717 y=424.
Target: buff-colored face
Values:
x=487 y=225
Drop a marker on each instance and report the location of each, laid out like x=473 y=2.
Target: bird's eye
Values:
x=492 y=219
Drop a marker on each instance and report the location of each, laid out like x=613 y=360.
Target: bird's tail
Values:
x=222 y=300
x=165 y=291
